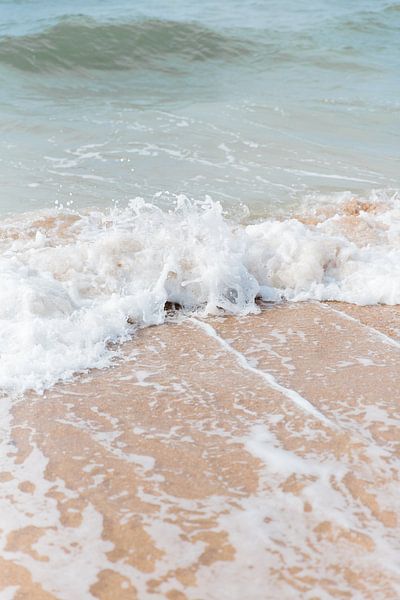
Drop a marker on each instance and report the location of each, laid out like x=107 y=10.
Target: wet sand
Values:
x=253 y=457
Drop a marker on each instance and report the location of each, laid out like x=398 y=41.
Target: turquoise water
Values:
x=134 y=134
x=262 y=103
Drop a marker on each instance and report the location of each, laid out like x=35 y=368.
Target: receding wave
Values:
x=83 y=43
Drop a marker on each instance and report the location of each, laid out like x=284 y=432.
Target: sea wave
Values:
x=80 y=44
x=73 y=283
x=84 y=43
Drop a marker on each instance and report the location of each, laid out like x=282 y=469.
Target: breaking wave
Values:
x=73 y=283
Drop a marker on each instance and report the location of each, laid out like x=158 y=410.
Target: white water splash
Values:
x=65 y=297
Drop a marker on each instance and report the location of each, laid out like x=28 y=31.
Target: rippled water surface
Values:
x=136 y=134
x=254 y=102
x=226 y=169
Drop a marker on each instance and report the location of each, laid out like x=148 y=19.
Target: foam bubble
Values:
x=73 y=285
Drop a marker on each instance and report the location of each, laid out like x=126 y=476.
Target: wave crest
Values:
x=83 y=43
x=71 y=284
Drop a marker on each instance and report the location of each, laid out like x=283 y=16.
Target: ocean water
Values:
x=206 y=154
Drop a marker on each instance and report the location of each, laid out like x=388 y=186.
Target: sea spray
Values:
x=72 y=284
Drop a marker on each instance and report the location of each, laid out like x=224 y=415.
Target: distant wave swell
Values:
x=83 y=43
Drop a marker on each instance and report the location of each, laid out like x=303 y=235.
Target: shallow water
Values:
x=260 y=103
x=253 y=457
x=225 y=159
x=255 y=112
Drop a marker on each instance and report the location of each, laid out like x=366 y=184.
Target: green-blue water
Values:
x=253 y=102
x=270 y=104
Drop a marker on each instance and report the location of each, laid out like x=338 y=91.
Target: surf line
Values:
x=292 y=395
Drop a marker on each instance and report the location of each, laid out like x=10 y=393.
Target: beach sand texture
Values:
x=253 y=457
x=199 y=300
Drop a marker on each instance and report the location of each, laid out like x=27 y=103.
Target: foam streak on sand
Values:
x=268 y=378
x=203 y=485
x=375 y=332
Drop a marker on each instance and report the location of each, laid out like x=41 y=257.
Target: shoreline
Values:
x=192 y=470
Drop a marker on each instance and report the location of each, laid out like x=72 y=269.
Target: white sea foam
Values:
x=66 y=295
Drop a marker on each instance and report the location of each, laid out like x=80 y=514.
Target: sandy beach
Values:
x=199 y=300
x=253 y=457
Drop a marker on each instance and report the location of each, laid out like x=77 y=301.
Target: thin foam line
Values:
x=292 y=395
x=385 y=338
